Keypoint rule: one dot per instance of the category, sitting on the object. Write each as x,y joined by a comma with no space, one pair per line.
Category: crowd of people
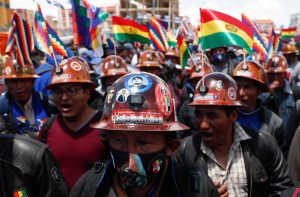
135,123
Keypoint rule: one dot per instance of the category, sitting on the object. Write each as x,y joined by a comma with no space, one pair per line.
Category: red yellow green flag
288,33
183,50
129,30
219,29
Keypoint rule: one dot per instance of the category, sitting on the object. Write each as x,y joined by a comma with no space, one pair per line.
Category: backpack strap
46,126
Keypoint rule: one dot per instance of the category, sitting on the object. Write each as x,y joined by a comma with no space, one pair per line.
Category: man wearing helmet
289,51
232,155
75,145
141,140
282,95
23,110
252,81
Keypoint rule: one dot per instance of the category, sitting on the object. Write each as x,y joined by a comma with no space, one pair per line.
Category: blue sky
277,10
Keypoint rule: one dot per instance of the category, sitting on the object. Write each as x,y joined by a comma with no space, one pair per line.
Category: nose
241,91
204,124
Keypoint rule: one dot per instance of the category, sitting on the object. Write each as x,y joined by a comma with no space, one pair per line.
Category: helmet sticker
231,93
122,95
109,102
63,62
164,100
76,66
206,97
7,70
138,83
60,78
142,117
244,73
219,85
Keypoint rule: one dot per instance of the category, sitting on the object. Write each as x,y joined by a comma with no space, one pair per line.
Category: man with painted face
140,134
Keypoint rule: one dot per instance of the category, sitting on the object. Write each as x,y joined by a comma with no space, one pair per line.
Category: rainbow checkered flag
20,40
258,43
97,16
46,38
158,34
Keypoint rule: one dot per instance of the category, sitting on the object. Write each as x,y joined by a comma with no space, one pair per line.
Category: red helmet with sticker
200,70
277,64
149,58
71,70
288,48
139,102
112,67
172,51
11,70
251,70
197,57
216,89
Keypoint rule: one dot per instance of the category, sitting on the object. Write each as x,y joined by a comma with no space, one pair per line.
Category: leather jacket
266,169
28,166
180,180
273,125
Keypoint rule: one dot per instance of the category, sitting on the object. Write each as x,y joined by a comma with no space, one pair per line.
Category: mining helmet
139,102
251,70
277,64
11,70
71,70
217,89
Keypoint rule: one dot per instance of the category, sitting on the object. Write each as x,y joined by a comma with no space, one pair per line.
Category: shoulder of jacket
23,152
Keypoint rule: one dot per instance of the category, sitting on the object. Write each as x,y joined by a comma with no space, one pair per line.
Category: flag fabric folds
219,29
20,40
185,30
199,34
97,16
81,24
288,33
270,48
46,38
129,30
258,43
171,40
158,34
183,50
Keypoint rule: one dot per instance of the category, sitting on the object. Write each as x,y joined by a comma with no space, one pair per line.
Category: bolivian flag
288,33
183,50
219,29
129,30
171,40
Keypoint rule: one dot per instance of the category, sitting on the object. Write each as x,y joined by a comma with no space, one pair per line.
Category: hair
229,110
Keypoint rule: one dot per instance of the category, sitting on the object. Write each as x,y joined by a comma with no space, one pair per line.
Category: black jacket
181,180
28,165
273,124
266,169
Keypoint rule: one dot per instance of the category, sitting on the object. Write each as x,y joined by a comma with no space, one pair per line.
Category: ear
234,115
175,143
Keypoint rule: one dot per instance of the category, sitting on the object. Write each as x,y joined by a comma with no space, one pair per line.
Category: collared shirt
234,174
29,112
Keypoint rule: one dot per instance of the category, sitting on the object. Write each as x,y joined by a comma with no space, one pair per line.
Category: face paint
137,170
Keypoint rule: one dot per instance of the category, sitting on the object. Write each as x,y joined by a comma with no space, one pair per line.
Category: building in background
5,15
295,22
142,10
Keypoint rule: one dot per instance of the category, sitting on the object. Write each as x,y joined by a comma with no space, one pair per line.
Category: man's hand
222,189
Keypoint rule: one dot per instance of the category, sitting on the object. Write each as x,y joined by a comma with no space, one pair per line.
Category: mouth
66,107
207,136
